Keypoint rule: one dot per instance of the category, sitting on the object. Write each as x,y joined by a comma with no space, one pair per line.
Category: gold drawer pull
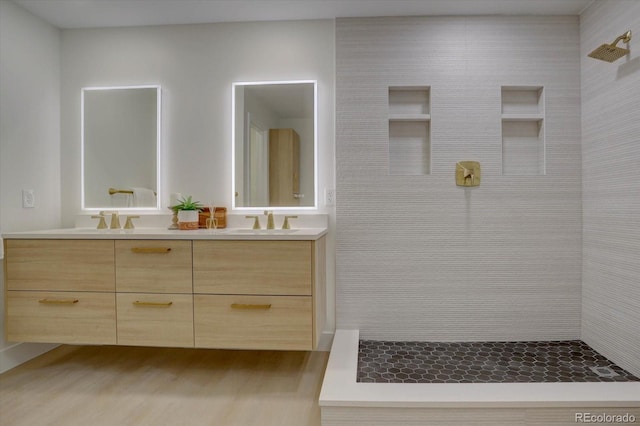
248,306
58,301
151,249
153,304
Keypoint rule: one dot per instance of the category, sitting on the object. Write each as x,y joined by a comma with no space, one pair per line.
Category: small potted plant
188,211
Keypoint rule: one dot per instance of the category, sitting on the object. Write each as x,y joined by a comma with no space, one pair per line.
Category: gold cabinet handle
249,306
151,249
153,304
58,301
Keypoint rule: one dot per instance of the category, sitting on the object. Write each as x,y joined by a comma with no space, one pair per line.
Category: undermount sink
262,231
110,231
90,231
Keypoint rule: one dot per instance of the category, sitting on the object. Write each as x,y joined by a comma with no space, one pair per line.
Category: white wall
611,187
29,133
419,258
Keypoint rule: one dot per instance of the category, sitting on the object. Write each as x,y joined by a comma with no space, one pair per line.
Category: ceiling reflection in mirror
274,137
121,147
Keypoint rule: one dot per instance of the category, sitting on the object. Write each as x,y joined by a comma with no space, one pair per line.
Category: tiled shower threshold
341,389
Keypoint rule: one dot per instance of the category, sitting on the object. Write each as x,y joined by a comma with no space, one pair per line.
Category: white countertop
163,233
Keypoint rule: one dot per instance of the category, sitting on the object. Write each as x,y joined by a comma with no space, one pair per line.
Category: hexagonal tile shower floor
484,362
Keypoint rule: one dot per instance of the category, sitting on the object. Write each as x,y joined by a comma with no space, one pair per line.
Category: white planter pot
188,219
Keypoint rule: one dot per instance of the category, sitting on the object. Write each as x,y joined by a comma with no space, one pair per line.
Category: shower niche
523,142
409,130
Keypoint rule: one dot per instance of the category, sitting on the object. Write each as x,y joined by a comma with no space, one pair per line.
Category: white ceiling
118,13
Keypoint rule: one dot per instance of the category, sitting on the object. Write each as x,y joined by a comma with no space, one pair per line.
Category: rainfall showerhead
609,52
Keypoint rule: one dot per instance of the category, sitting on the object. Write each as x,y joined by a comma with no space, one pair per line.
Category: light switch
28,199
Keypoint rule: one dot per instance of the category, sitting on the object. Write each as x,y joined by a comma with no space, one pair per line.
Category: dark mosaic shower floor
483,362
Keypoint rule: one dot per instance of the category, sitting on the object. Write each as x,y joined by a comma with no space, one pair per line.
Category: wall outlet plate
467,173
28,199
329,197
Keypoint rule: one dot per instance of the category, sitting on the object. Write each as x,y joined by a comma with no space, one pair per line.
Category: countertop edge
164,234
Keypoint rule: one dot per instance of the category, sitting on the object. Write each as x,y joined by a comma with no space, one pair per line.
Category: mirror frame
234,146
158,206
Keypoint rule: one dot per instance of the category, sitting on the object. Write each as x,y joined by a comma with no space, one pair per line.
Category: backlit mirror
121,147
274,140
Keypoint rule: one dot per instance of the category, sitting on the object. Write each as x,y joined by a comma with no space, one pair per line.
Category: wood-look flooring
115,385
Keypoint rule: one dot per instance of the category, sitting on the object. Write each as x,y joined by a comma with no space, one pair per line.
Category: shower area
533,273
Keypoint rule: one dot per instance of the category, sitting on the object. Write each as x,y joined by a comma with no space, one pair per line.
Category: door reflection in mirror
256,188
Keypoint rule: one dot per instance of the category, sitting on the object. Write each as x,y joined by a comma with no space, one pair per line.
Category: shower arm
626,37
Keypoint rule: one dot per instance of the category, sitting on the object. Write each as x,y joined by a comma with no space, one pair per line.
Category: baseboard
19,353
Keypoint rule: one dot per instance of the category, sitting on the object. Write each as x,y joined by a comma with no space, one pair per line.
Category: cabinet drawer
253,322
155,266
155,319
252,267
60,265
61,317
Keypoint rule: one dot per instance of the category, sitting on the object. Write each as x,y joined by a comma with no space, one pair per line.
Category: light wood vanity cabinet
205,293
60,291
60,265
253,322
153,266
256,294
253,267
154,296
154,319
61,317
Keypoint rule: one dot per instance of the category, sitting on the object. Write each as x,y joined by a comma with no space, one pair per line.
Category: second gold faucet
270,224
115,219
270,221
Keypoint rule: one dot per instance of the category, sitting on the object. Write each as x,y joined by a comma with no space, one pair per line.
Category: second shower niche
409,130
523,141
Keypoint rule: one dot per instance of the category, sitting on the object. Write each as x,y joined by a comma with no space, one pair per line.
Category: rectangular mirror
274,145
121,147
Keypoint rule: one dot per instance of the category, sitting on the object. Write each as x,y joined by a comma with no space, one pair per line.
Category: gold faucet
256,222
115,219
102,224
270,224
285,224
129,223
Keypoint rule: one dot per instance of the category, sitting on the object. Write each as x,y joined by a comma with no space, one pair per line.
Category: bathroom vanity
232,288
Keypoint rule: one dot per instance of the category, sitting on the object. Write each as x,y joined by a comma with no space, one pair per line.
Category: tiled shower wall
418,257
611,185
